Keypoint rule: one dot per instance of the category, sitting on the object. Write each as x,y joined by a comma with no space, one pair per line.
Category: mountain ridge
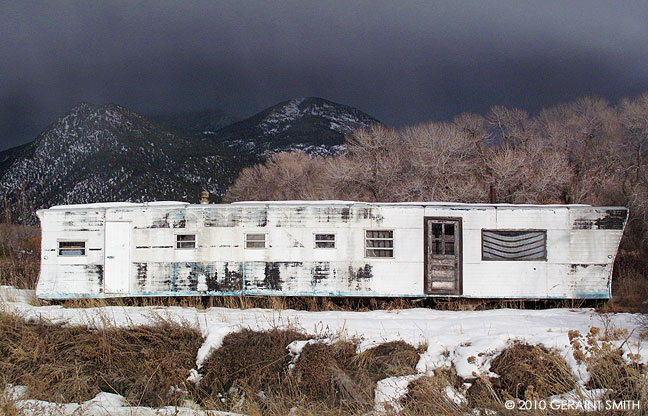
98,153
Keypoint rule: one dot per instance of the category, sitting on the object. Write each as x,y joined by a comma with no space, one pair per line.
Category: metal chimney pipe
492,195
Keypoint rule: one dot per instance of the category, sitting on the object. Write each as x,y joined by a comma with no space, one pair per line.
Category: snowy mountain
110,153
315,125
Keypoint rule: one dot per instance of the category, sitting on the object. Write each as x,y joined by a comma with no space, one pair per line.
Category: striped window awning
514,245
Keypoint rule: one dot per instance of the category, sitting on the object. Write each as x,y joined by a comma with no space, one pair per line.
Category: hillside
314,125
111,153
107,153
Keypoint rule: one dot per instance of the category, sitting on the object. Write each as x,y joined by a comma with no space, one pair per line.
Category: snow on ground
107,404
467,339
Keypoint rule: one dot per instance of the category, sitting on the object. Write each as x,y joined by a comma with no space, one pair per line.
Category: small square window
186,241
379,243
255,240
71,248
324,240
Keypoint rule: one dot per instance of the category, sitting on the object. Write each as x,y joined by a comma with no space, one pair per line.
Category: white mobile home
329,248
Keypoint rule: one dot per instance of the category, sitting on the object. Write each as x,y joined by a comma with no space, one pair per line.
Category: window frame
59,250
392,248
178,242
525,230
246,241
315,241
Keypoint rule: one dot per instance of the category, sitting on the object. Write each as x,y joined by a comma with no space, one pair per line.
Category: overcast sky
402,62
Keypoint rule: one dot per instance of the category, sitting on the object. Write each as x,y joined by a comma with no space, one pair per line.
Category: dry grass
148,365
625,378
323,373
340,378
250,372
327,378
19,255
526,372
247,362
427,396
522,367
20,272
629,284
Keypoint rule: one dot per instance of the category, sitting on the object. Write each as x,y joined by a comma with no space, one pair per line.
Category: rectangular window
324,240
186,241
255,240
379,243
71,248
514,245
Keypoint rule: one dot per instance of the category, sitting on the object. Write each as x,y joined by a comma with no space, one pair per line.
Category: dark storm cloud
403,62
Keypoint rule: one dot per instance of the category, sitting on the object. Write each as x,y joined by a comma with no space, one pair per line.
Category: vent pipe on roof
204,197
492,195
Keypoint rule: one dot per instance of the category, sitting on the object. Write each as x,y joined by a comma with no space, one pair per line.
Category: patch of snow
213,341
389,391
14,392
194,376
11,294
458,398
118,205
104,404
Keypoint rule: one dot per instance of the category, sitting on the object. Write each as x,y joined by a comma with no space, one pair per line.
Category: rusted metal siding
581,245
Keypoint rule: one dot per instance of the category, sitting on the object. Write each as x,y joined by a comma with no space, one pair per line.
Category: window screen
324,240
514,245
379,243
186,241
255,240
71,248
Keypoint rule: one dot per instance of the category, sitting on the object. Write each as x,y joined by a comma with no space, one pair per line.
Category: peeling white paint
582,242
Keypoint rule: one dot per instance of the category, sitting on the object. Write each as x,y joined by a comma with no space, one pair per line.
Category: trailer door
117,260
442,256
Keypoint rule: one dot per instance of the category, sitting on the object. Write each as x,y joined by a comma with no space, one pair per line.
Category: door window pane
436,247
450,248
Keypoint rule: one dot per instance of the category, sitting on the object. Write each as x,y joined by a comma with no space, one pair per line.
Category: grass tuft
522,366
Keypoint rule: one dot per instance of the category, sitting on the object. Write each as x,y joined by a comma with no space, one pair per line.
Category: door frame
459,235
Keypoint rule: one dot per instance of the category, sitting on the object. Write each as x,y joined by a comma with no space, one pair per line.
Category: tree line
588,151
